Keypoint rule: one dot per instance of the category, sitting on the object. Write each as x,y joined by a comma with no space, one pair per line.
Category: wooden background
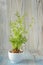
34,8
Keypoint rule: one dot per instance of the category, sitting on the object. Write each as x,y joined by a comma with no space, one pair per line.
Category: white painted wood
34,8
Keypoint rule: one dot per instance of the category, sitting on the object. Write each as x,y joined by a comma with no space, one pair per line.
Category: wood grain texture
34,8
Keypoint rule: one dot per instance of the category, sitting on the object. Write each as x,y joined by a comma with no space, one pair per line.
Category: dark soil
16,51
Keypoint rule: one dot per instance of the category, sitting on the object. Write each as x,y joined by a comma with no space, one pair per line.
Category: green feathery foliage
18,32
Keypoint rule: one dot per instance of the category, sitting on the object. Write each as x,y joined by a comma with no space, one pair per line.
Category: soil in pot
16,51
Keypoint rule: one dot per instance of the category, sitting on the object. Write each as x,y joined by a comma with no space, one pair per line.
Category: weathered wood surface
34,8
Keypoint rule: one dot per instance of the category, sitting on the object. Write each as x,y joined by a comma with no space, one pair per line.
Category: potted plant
17,38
